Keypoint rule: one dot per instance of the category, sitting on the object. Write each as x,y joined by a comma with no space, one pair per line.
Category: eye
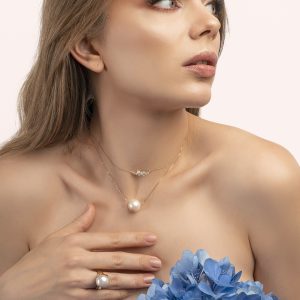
165,4
214,5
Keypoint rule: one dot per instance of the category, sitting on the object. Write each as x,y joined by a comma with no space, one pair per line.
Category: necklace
134,205
138,172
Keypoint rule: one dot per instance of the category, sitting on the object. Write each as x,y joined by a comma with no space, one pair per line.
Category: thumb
80,224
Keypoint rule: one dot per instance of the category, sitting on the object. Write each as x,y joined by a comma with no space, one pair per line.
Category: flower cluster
199,277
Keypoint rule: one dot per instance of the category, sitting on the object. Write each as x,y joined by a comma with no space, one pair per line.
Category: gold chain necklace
134,205
138,172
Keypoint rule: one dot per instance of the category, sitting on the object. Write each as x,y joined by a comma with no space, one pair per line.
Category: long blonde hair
53,104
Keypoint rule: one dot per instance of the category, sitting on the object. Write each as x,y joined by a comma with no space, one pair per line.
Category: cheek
144,58
137,50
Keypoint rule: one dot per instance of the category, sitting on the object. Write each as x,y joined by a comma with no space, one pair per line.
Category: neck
133,140
136,138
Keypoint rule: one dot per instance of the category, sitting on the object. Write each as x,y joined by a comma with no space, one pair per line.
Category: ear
87,54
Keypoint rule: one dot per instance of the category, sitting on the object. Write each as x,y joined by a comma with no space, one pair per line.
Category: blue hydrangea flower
199,277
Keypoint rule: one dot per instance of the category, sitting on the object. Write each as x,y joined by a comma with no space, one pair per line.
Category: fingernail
149,278
150,238
155,262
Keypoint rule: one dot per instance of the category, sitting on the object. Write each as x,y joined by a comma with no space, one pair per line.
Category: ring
102,280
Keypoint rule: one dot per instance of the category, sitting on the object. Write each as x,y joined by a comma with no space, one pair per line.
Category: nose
204,23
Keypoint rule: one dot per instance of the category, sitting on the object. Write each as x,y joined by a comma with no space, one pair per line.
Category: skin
144,87
225,194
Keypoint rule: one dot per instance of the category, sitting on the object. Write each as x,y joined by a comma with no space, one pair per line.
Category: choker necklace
134,205
137,173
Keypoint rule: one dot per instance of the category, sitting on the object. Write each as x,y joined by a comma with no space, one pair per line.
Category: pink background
257,86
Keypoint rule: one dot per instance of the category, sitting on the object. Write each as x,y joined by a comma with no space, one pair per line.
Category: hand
64,265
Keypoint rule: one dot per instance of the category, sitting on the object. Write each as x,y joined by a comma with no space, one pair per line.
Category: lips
204,71
203,64
207,56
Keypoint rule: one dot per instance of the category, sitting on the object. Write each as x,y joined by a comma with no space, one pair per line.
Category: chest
185,220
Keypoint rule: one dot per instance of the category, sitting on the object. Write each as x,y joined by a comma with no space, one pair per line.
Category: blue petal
199,277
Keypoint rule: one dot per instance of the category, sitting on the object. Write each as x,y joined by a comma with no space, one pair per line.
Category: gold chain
114,180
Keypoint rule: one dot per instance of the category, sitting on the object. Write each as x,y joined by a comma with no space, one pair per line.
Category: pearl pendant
134,205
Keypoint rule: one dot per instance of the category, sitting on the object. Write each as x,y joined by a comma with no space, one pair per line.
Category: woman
109,116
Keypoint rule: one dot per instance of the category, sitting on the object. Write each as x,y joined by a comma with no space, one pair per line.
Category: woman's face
146,44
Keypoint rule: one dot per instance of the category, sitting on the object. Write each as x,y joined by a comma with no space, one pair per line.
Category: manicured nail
149,278
155,262
150,238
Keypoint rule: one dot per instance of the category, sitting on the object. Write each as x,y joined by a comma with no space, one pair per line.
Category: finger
106,294
80,224
86,279
119,260
111,240
119,281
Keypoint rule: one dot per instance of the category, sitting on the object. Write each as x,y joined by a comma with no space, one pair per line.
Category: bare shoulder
263,179
243,161
26,184
26,175
253,161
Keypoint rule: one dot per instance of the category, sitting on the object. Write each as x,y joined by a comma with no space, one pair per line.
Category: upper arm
31,191
13,240
274,222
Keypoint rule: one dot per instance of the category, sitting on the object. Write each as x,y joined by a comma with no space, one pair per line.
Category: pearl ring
102,280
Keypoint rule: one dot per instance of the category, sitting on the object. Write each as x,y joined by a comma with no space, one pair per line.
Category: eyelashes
152,2
215,3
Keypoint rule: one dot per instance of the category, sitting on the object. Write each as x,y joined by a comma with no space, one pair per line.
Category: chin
199,102
197,98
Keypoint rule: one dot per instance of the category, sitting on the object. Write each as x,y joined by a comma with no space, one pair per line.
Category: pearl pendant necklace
134,205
